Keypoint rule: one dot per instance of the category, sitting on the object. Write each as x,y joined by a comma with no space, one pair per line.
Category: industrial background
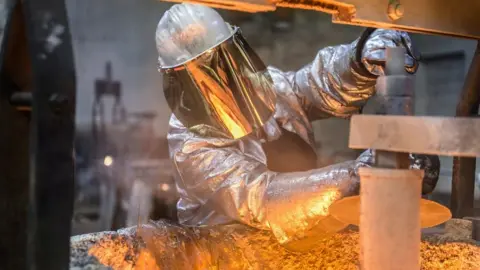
287,39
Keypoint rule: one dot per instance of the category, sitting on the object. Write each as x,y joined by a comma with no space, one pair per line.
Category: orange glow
246,6
237,247
165,187
221,102
224,113
303,215
320,205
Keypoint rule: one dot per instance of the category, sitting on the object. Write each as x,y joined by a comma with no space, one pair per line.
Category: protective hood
225,91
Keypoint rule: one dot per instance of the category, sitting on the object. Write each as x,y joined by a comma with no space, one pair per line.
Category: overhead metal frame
444,17
37,122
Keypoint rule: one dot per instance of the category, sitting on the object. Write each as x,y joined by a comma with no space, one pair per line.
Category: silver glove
342,78
373,51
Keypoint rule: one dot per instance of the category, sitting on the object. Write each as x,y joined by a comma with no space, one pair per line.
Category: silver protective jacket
225,180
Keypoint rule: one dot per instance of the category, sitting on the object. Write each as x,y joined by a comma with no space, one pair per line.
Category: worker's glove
373,45
430,164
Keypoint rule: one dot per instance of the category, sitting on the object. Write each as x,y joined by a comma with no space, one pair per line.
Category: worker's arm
342,78
216,176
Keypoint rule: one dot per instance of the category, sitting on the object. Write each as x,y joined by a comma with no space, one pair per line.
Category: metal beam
36,145
463,176
447,136
442,17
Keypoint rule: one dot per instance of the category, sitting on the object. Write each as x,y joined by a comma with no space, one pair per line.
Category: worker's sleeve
216,174
342,78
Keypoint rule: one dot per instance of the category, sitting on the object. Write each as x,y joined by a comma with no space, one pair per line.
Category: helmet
213,81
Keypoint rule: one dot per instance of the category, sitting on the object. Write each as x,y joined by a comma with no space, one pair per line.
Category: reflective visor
226,91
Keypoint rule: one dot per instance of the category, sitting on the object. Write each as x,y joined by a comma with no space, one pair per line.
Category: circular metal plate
347,210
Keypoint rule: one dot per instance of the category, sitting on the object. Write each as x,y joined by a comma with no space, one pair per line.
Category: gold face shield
225,91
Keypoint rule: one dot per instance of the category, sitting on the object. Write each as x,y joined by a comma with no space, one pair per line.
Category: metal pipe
390,198
395,96
463,176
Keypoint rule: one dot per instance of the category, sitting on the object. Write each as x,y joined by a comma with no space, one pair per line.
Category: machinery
100,159
108,147
378,211
106,87
125,151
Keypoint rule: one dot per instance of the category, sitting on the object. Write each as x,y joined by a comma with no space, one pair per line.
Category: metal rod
395,97
463,172
22,100
390,193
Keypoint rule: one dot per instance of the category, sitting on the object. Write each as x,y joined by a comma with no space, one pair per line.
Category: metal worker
241,133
